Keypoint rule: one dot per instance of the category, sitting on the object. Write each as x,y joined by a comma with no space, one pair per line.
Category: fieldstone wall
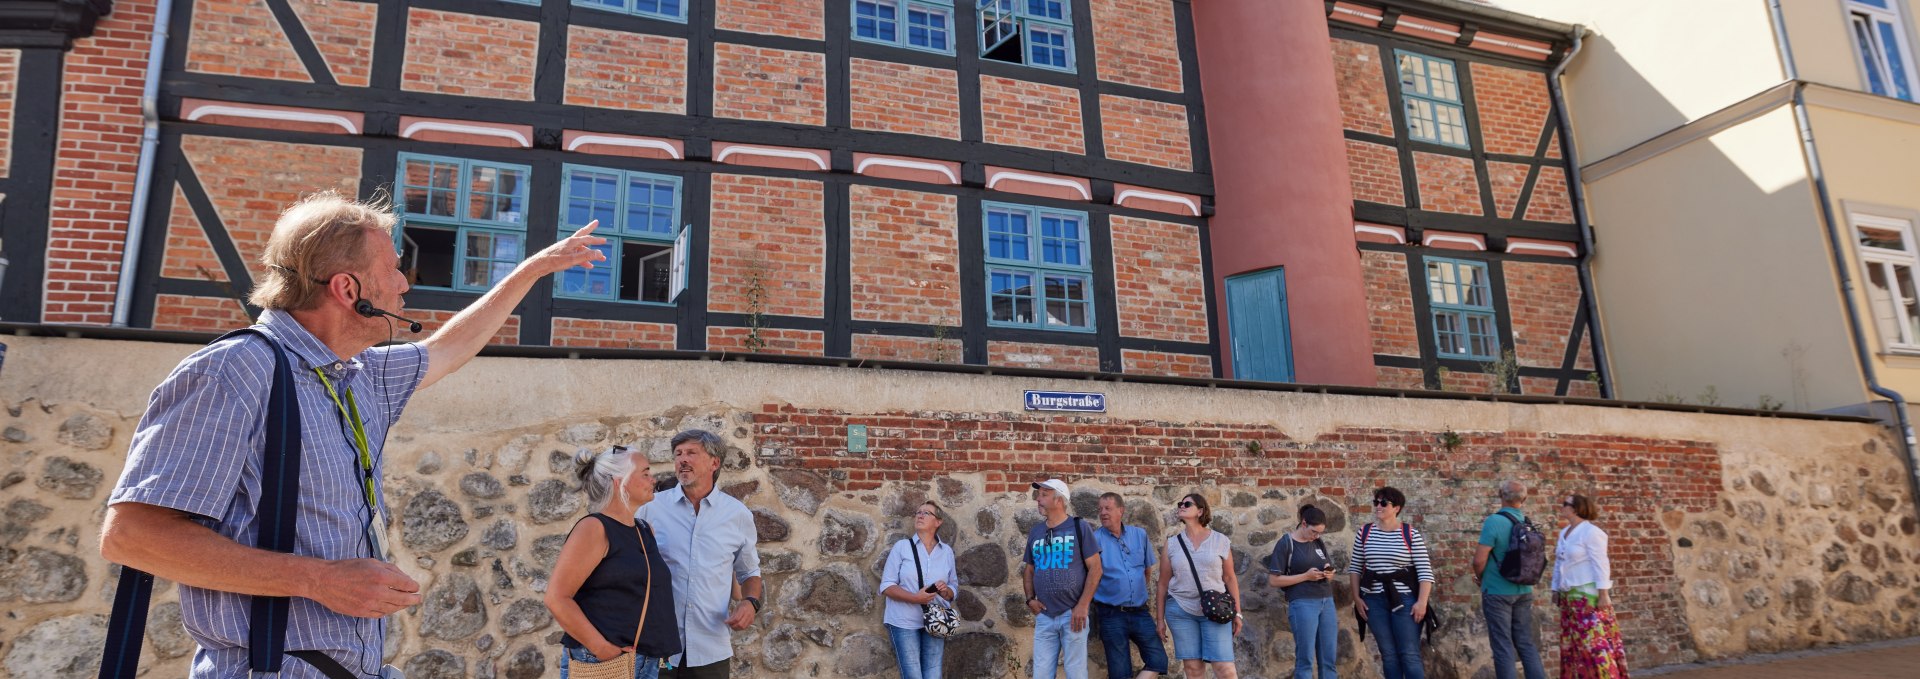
1732,535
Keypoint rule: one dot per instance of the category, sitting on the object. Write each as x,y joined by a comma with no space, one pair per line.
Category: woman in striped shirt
1393,577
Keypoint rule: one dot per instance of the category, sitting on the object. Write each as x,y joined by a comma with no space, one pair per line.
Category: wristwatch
753,600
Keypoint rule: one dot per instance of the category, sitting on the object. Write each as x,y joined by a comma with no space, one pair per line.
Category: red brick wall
1389,304
1162,363
1374,170
582,332
1468,381
1583,389
1543,299
251,182
1031,115
1549,202
916,349
1447,184
1049,356
189,254
198,314
903,98
1134,43
1539,386
1146,132
1363,87
772,341
791,18
1450,489
471,55
1513,107
905,256
1399,378
773,85
93,165
240,37
774,228
431,320
1507,180
1158,280
626,71
9,82
343,32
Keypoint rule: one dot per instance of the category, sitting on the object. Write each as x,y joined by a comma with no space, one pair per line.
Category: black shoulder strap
275,516
1196,571
917,570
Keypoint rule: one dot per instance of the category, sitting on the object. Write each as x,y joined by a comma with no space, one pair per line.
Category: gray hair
709,442
603,473
1512,491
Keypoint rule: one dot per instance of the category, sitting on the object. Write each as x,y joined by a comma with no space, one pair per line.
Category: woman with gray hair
610,574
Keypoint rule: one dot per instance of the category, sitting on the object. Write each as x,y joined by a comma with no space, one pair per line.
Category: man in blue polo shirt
1120,603
1507,606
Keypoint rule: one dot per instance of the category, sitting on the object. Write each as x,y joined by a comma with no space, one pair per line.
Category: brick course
1389,303
1158,280
773,341
189,254
1134,42
242,38
1162,363
626,71
906,253
251,182
1145,132
1049,356
583,332
772,85
1374,171
1513,104
791,18
1031,115
1549,202
774,229
1543,300
470,55
1363,88
198,314
1387,377
343,32
916,349
1447,184
903,98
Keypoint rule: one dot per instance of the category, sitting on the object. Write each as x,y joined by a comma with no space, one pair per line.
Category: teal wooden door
1257,321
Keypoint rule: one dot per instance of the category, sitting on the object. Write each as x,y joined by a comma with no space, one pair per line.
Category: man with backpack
1511,557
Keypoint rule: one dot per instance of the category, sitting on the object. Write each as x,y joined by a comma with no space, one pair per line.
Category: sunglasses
1381,503
1185,504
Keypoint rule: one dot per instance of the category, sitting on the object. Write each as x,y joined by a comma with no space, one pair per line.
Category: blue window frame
1430,95
928,25
639,215
670,10
462,222
1039,271
1461,300
1036,33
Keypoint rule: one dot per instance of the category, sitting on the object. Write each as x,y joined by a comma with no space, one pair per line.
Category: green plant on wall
1440,379
1504,374
756,304
943,331
1451,440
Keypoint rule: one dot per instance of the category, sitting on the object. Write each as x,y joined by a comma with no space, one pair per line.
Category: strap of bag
275,514
647,593
919,574
1182,539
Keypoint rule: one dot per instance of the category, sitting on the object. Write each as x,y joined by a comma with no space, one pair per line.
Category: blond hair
317,237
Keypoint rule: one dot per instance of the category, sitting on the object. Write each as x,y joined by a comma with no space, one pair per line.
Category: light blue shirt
198,450
1123,566
707,554
935,567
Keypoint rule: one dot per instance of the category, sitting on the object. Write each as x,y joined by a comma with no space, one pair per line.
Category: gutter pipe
143,176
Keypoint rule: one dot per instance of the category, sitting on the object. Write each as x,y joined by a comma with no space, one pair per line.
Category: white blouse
1580,558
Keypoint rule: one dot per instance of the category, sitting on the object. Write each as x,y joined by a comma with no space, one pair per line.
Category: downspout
1836,244
1577,194
143,176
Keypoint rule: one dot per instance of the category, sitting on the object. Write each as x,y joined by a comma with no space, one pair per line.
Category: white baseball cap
1056,485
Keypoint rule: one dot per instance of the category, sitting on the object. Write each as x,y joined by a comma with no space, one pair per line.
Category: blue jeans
644,667
1119,628
919,653
1316,633
1197,638
1510,629
1398,636
1054,641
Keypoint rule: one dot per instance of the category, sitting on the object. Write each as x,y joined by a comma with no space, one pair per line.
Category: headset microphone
366,308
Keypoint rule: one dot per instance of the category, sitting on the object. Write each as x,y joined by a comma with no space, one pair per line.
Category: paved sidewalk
1896,659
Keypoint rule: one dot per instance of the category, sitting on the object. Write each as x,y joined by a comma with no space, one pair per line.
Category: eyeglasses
1185,504
1382,503
925,513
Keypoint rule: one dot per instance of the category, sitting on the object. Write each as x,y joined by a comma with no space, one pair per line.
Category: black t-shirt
1292,558
612,594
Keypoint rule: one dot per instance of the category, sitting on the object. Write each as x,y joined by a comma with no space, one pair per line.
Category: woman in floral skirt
1590,645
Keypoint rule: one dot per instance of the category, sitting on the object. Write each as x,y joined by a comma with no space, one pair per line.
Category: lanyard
350,411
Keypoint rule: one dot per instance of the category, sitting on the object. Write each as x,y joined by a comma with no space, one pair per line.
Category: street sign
1067,401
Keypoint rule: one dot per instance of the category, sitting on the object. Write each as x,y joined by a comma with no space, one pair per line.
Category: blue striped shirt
198,450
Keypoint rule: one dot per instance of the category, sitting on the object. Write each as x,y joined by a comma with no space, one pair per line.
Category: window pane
1881,237
1413,74
1869,55
430,188
1896,60
1880,295
1909,302
1047,47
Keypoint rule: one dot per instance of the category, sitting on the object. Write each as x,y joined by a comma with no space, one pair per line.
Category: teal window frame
462,223
1440,94
619,231
1034,266
633,7
1020,20
1454,299
903,23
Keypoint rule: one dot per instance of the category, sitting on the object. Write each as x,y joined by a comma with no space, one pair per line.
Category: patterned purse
938,617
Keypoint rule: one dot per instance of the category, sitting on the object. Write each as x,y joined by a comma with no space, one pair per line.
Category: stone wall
1731,534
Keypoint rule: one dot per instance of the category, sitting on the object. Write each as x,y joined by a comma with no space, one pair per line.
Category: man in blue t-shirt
1062,570
1507,606
1120,602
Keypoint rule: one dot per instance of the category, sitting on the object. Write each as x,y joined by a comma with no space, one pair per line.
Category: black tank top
612,594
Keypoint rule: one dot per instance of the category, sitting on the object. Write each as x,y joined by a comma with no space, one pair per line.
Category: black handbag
1215,605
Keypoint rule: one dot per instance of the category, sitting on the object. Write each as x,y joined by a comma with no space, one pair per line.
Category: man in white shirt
705,537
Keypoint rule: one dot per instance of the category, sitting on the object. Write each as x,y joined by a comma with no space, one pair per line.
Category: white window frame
1890,15
1906,341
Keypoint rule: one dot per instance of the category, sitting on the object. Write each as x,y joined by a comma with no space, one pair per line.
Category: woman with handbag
919,585
1393,577
1198,578
1590,645
610,589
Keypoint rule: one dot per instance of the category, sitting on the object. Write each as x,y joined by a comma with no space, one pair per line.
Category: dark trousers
1510,633
1117,628
719,670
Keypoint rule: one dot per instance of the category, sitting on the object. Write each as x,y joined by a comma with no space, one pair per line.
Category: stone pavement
1896,659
